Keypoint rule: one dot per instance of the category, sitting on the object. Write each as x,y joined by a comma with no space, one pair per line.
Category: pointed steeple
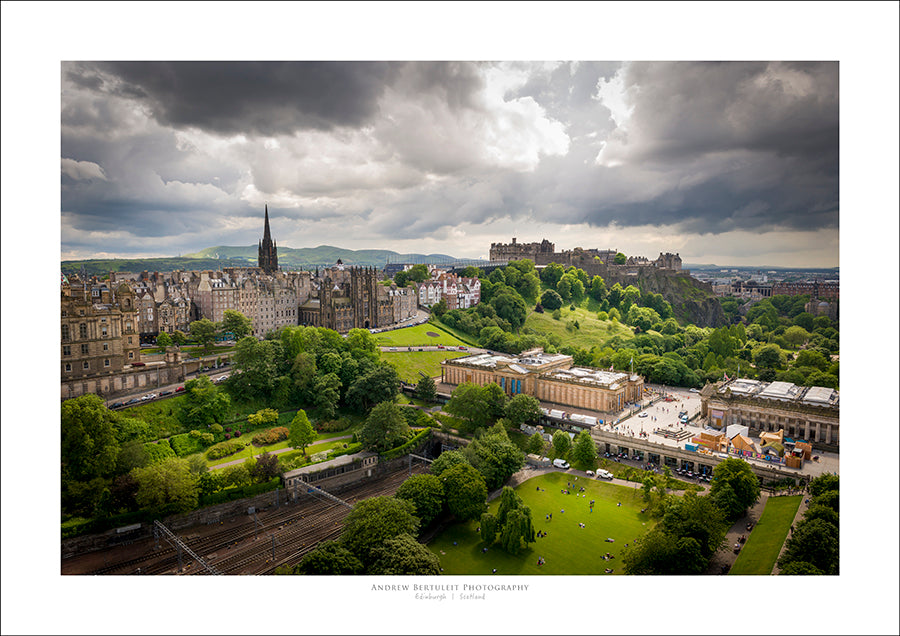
267,235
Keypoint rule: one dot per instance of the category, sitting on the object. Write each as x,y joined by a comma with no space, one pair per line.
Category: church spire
267,236
268,252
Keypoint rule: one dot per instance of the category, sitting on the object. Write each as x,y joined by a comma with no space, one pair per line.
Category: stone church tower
268,249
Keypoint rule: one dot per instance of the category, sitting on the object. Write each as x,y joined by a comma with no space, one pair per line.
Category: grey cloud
264,98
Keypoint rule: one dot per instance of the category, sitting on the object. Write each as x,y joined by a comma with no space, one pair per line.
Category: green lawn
567,548
759,554
418,337
408,364
591,331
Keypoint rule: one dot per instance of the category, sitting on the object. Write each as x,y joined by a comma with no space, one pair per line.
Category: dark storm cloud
265,98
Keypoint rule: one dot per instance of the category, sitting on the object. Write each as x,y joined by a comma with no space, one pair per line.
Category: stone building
808,413
829,290
518,251
98,328
353,298
549,378
458,292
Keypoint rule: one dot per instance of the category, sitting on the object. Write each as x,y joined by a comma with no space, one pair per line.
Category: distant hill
323,256
230,256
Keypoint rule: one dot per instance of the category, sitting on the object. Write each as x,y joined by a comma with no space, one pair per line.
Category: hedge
78,526
186,444
230,494
158,451
408,446
226,448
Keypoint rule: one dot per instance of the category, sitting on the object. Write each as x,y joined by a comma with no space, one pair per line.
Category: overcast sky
722,162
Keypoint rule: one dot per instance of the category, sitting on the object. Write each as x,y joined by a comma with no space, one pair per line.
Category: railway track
247,547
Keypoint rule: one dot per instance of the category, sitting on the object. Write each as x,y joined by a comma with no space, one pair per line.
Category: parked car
179,389
116,405
133,401
642,414
561,463
165,393
604,474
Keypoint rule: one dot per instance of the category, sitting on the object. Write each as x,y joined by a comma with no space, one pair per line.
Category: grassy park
417,336
567,548
409,364
761,550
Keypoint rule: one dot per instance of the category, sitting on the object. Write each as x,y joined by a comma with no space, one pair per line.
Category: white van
604,474
561,463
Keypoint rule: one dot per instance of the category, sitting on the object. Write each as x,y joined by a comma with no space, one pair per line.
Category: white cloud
82,170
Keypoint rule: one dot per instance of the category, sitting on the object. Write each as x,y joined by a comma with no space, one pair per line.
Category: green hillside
591,331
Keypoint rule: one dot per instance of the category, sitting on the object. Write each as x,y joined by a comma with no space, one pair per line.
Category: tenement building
549,378
808,413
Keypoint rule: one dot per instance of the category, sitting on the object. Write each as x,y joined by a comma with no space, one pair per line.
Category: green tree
517,531
535,444
768,356
204,332
620,259
329,558
426,492
327,395
564,288
488,528
551,300
522,408
796,335
179,338
426,389
401,278
494,456
815,542
598,288
167,483
89,446
795,568
419,273
236,323
257,368
163,340
385,428
204,404
373,521
302,433
562,444
659,553
823,483
739,476
404,556
511,307
469,403
551,274
439,308
698,518
584,452
465,490
447,460
381,384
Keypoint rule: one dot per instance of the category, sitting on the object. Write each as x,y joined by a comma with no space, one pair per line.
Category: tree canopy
374,521
426,492
738,475
89,446
404,556
385,428
465,490
236,323
302,433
